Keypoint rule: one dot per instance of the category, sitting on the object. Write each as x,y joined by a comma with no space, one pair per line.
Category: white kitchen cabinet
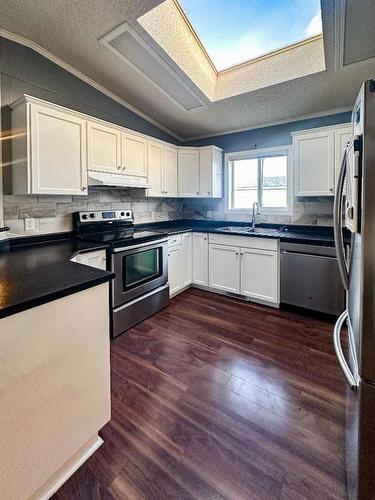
133,154
210,172
317,155
103,148
260,274
314,162
200,259
48,150
155,169
187,259
179,262
94,258
170,171
224,268
247,266
342,136
162,170
188,172
174,269
200,172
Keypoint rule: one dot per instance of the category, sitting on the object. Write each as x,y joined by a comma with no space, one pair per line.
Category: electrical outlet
29,224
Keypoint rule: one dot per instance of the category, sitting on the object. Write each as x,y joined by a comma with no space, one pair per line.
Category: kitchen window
260,176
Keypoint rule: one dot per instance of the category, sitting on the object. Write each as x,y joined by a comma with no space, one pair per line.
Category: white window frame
256,153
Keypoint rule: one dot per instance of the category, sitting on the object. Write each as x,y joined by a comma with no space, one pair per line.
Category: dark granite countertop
316,235
33,274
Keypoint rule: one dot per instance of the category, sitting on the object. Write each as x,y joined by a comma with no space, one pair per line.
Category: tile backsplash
53,213
309,211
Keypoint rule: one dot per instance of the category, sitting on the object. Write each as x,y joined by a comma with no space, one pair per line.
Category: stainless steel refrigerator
354,207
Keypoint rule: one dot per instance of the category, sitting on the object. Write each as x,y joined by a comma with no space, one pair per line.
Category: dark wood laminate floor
215,398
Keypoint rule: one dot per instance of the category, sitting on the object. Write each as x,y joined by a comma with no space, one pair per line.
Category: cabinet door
224,268
188,173
155,169
260,274
134,155
200,259
342,137
205,173
217,174
314,163
174,269
170,171
104,148
58,152
94,259
187,259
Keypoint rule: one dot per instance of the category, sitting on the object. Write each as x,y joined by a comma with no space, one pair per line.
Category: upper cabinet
54,149
104,148
210,172
162,170
342,137
188,172
48,150
200,172
317,155
134,154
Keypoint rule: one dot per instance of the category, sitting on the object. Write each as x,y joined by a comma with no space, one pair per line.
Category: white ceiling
71,31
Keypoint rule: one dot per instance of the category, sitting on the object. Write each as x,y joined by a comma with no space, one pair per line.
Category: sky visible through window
234,31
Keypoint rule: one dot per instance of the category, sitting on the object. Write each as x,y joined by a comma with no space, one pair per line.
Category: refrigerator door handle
339,352
337,224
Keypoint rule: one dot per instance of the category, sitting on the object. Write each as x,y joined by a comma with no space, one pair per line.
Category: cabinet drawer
174,240
245,241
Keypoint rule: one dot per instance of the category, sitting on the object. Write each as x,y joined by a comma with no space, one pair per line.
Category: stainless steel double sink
248,230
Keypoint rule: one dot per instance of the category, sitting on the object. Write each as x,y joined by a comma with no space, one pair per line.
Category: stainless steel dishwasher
310,278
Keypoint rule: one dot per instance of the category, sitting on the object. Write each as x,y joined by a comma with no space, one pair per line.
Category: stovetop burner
115,228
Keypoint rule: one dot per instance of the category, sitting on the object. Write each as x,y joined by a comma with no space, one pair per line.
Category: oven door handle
141,245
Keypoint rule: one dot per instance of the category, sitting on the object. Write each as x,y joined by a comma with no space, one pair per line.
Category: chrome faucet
257,212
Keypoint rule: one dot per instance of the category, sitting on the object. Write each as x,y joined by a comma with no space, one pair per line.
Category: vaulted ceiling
72,32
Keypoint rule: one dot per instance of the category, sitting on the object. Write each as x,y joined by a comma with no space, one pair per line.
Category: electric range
138,258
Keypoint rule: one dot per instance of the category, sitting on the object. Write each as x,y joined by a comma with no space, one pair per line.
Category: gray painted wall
24,71
266,137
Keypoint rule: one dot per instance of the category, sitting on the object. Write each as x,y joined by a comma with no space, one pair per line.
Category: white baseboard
68,469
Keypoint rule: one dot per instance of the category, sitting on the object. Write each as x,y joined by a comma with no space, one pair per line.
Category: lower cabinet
251,270
224,268
175,269
200,259
179,262
94,258
187,259
259,274
234,264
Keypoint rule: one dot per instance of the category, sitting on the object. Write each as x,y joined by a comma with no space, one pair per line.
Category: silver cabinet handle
118,168
83,188
337,224
339,352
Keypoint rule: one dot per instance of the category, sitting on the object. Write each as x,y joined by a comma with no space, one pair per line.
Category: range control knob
127,214
92,216
84,216
122,214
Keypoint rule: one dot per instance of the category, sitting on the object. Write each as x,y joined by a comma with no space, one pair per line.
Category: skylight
236,31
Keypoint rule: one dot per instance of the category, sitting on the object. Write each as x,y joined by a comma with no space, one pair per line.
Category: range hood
106,179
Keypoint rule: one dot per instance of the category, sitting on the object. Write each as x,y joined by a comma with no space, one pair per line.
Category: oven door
139,269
